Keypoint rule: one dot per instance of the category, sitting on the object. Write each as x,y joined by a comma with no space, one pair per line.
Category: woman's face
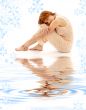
50,19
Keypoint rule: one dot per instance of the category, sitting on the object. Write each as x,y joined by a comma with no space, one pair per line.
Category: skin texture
57,25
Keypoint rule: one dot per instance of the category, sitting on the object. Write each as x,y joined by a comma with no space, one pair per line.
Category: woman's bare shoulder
61,21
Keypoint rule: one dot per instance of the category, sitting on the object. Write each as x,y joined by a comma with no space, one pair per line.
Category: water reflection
54,79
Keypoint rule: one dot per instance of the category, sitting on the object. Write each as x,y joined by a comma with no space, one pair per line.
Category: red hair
43,16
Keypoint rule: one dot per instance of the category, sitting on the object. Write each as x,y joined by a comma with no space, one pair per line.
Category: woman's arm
58,22
44,30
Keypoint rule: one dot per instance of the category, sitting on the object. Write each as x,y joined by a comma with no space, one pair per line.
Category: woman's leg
38,37
25,46
37,47
28,43
40,44
56,40
59,42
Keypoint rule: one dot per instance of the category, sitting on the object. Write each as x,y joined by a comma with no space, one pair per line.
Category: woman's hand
44,29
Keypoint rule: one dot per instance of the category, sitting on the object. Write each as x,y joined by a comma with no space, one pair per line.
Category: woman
53,28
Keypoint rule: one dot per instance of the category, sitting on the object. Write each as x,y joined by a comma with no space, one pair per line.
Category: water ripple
15,96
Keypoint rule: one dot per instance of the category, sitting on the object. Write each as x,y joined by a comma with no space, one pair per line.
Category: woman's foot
37,47
22,48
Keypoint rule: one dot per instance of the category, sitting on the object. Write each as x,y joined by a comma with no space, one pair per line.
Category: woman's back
66,31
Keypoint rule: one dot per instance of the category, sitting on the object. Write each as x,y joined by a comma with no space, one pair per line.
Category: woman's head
46,17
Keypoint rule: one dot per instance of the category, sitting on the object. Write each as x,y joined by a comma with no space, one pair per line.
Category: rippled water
40,81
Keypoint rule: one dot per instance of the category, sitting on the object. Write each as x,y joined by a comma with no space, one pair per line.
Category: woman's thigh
58,42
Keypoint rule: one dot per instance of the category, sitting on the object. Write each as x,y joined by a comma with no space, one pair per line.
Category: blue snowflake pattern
9,16
81,10
78,106
36,6
3,51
